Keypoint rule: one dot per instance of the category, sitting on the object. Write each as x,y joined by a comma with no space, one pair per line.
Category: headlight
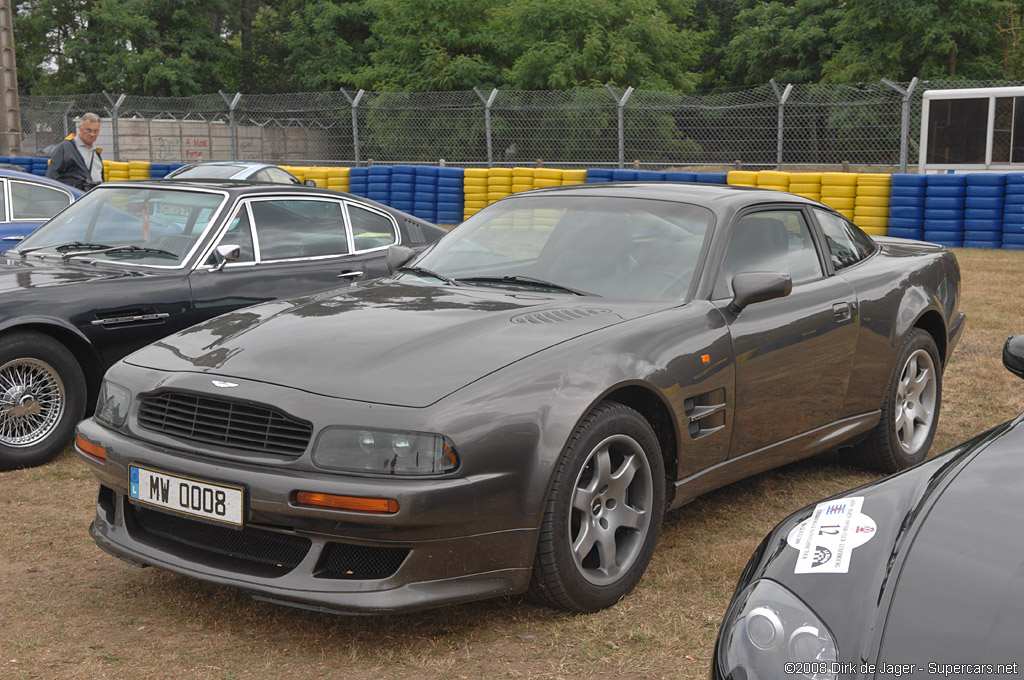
773,635
384,452
112,405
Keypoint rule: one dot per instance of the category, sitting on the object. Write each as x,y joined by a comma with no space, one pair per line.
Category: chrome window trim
383,213
9,199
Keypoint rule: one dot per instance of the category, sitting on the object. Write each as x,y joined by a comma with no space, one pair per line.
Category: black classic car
132,262
918,574
515,409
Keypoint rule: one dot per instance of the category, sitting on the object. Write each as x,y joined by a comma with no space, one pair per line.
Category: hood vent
558,315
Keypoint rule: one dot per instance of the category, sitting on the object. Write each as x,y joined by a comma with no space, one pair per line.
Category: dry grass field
69,611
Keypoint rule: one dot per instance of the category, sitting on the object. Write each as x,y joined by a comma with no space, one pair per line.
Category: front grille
225,422
250,550
360,562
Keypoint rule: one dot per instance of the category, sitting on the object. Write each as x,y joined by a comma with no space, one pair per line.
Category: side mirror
398,256
751,287
310,182
225,254
1013,355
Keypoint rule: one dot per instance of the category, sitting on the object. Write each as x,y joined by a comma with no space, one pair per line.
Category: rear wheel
603,515
42,398
911,410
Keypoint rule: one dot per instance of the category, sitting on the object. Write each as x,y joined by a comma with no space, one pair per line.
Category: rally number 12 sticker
827,538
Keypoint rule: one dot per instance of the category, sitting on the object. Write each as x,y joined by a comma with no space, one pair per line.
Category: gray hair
88,118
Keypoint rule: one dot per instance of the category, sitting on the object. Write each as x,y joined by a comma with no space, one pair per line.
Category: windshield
128,224
614,247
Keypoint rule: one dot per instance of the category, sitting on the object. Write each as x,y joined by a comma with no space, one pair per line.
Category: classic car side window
847,244
36,202
238,234
770,241
288,229
370,229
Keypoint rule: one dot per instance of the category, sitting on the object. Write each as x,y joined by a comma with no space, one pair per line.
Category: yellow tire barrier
742,178
872,201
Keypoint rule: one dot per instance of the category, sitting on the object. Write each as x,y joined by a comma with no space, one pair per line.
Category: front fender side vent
706,413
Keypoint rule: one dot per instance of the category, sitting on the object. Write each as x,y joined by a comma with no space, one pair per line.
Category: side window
370,229
238,234
846,243
36,202
299,228
770,241
278,175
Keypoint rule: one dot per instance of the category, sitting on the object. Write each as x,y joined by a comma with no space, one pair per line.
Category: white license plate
217,502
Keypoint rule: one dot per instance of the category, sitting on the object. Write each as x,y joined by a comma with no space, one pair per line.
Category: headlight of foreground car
112,405
384,452
775,635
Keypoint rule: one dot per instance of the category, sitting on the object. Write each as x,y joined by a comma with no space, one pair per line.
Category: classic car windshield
128,224
616,247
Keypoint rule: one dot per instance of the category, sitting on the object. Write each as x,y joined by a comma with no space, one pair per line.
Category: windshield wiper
423,271
67,245
120,249
525,281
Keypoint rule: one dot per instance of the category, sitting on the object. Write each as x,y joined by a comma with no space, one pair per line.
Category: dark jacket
68,166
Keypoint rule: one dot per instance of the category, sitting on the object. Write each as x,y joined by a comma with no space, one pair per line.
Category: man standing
75,161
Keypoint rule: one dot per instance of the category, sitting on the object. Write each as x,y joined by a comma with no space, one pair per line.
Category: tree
430,45
578,43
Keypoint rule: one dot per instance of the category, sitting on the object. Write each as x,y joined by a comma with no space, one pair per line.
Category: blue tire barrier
990,236
900,232
404,196
379,187
599,173
421,206
1012,246
450,191
1015,239
991,245
449,217
943,215
948,226
597,180
427,170
905,179
401,187
404,206
713,177
380,197
982,225
674,176
979,214
450,172
905,223
944,203
985,191
650,176
377,171
1014,199
445,181
940,242
449,206
906,212
1015,178
946,180
986,179
944,191
908,190
1013,219
624,175
421,196
907,201
984,202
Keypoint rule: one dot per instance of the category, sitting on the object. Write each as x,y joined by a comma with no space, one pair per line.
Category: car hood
35,272
966,495
385,342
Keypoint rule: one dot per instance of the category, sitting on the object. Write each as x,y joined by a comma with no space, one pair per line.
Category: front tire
42,398
910,412
603,514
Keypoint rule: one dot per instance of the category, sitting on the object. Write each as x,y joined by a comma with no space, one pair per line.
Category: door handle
351,276
842,311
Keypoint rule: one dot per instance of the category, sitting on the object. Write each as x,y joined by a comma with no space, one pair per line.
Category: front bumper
327,560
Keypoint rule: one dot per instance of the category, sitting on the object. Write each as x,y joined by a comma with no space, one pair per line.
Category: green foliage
580,43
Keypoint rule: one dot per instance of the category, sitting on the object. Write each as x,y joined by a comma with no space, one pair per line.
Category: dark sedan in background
919,574
132,262
517,407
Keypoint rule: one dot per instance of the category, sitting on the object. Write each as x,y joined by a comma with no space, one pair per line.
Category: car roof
719,195
17,174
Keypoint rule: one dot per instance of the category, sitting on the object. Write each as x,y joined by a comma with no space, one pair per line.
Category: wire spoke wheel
32,401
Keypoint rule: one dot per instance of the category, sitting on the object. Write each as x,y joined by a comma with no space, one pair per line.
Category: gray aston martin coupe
515,409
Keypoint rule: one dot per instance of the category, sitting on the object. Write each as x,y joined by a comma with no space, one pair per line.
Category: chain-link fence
761,127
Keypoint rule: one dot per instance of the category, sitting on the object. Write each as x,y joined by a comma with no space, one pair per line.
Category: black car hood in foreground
941,580
35,272
375,343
